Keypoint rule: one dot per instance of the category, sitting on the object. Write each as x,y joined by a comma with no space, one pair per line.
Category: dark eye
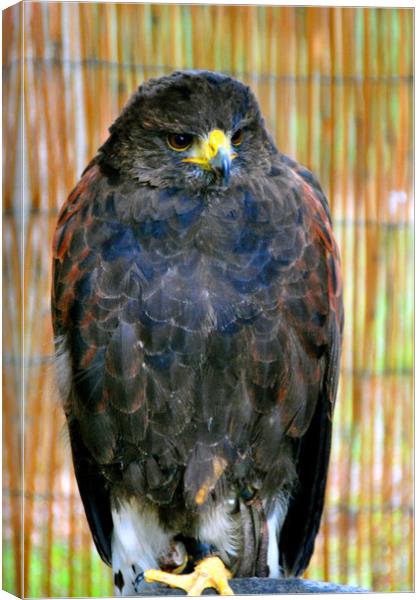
237,137
179,141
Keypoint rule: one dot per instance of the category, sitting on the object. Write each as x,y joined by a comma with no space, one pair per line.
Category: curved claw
209,573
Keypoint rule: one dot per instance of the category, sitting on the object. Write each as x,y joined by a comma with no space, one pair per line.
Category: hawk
197,313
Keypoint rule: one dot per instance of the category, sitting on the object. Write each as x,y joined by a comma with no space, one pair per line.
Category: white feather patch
137,542
218,527
275,523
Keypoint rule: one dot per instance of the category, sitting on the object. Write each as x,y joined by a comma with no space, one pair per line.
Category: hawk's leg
208,573
220,532
174,561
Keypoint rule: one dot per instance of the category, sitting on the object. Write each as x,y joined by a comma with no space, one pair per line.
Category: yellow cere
204,150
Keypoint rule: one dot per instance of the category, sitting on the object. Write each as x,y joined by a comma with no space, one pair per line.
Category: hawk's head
193,129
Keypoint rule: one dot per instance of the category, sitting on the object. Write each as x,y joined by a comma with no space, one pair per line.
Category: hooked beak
213,153
221,164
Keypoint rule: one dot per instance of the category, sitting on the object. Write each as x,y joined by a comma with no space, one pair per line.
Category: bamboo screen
335,85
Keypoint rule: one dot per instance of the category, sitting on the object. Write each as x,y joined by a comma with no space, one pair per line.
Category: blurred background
335,86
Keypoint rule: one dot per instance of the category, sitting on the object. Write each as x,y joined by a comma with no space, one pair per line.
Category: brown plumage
197,309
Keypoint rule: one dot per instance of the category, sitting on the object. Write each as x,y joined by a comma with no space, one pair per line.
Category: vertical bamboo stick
197,35
357,339
287,87
14,471
346,453
310,74
280,127
50,488
72,536
234,39
103,77
11,124
89,108
408,425
370,282
388,400
121,85
12,28
300,107
333,60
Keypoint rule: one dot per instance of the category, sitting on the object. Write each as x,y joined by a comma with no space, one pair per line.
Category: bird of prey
197,313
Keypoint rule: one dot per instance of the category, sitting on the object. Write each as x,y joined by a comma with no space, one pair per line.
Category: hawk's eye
179,141
237,137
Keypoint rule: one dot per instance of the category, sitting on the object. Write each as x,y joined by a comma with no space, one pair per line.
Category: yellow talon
208,573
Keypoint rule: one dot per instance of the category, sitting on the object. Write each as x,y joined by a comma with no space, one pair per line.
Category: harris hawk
197,315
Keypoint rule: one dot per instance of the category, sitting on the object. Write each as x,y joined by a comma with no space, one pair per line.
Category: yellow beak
213,153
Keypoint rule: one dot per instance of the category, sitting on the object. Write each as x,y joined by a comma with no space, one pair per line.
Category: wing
93,492
71,259
93,286
313,447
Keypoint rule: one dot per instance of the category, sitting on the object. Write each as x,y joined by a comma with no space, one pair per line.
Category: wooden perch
259,585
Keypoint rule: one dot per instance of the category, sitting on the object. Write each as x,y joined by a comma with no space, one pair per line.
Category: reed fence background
335,85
